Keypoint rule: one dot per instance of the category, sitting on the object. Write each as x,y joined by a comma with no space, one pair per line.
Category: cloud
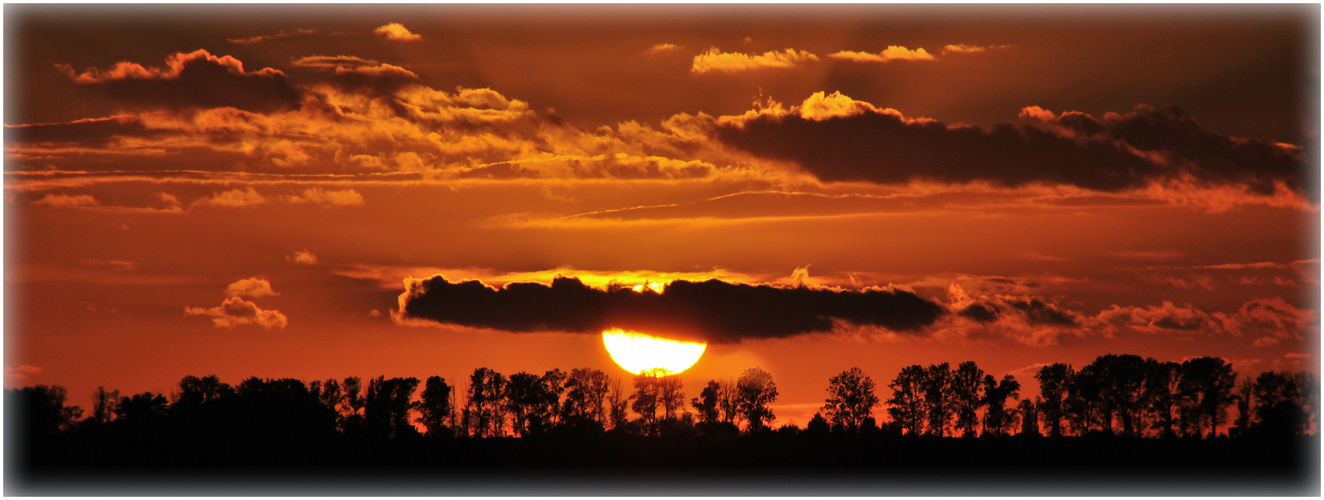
662,47
88,131
22,372
264,38
971,49
1268,319
730,62
341,198
234,198
353,72
714,310
66,201
236,311
333,62
1029,320
397,32
196,79
891,53
1120,152
250,287
303,257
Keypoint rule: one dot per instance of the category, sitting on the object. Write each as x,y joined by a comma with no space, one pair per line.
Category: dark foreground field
606,464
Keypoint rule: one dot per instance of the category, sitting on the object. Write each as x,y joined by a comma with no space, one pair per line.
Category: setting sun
636,352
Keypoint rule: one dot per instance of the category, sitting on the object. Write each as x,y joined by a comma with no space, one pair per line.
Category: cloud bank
714,310
1114,153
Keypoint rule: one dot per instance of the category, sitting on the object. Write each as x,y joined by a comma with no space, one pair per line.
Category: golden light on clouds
637,352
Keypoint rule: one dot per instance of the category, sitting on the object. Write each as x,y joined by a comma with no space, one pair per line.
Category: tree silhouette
617,404
645,399
524,396
727,396
1243,397
706,403
198,390
553,384
1206,385
435,406
39,411
817,425
671,395
485,412
850,399
1052,389
937,398
141,410
1160,395
997,419
1122,386
966,396
351,409
386,406
907,403
1029,418
755,391
1307,385
586,396
1278,404
1084,402
103,405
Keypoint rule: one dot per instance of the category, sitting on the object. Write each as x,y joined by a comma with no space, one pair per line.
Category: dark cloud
361,75
194,80
93,131
1034,311
980,312
714,310
1111,154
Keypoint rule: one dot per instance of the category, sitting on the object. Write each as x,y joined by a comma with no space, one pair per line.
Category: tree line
1123,395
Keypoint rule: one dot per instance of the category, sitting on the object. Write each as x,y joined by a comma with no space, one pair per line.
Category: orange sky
244,190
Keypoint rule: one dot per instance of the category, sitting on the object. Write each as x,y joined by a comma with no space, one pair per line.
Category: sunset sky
250,190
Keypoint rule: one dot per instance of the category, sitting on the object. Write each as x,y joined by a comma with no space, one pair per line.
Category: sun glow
637,352
655,287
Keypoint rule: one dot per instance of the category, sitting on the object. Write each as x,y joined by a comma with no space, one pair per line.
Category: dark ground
605,464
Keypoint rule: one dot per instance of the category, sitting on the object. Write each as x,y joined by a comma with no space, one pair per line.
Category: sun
637,352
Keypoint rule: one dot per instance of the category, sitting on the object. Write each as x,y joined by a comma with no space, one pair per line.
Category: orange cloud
662,47
22,372
65,201
303,257
195,79
971,49
234,198
1268,319
341,198
263,38
891,53
251,288
235,311
333,62
397,32
175,66
730,62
